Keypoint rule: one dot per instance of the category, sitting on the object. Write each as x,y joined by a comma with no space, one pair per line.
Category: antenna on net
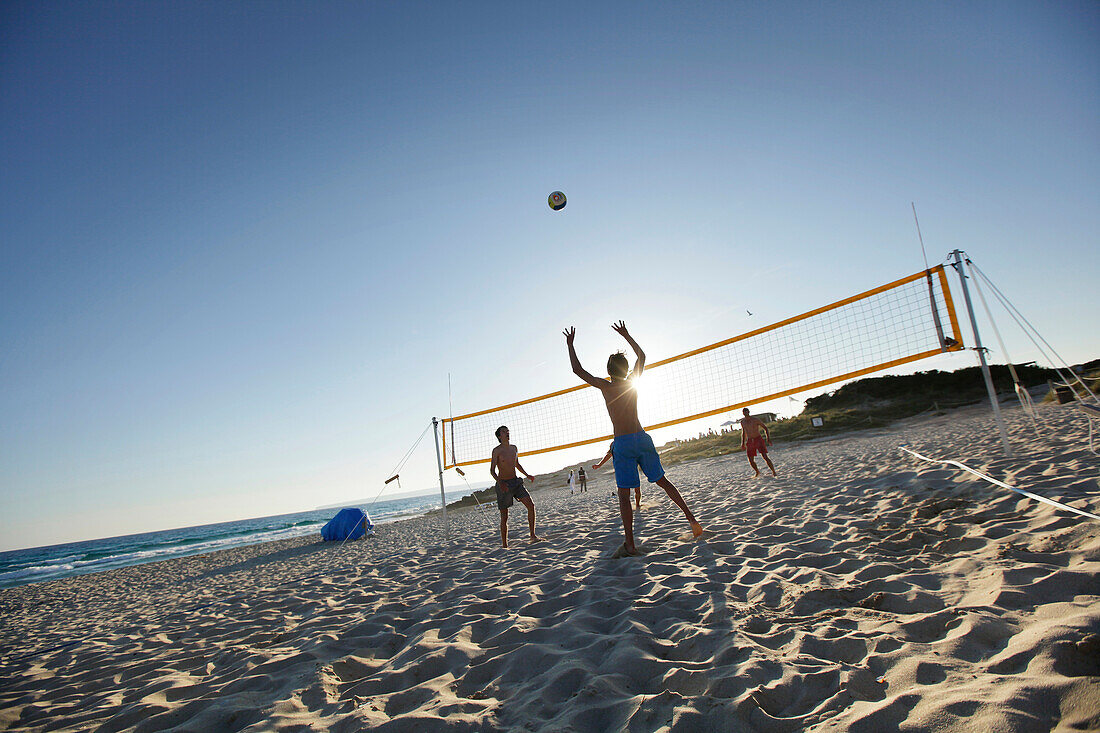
919,237
944,342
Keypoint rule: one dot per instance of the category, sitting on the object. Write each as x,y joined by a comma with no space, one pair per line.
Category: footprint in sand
640,548
690,537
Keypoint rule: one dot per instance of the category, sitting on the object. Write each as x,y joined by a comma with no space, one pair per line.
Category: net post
960,268
442,493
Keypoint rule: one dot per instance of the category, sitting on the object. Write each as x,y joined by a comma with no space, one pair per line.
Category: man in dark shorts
509,486
583,479
753,443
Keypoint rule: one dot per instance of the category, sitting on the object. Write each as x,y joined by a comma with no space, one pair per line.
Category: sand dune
861,590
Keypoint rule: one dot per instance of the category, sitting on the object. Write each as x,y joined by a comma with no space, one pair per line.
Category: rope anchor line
1002,484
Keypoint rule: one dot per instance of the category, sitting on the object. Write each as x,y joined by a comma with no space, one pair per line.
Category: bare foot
696,529
536,538
625,551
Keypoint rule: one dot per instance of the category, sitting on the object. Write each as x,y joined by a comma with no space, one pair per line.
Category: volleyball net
900,322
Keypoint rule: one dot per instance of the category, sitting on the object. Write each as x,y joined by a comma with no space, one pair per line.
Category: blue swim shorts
631,451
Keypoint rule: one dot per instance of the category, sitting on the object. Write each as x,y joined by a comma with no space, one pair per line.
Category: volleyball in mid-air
556,200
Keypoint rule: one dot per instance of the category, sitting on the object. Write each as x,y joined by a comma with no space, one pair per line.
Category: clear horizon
250,251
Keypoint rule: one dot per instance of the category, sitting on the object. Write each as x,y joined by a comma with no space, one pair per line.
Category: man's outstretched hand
620,328
569,333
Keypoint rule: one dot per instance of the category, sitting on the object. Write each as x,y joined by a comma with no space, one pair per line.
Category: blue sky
244,244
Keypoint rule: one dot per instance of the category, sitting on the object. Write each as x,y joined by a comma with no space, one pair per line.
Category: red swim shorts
754,445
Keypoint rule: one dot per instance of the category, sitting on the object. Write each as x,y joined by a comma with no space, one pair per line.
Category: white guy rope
1002,484
1092,412
1028,330
1021,393
400,464
480,508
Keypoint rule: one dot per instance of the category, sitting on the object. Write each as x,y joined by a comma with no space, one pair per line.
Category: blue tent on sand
349,524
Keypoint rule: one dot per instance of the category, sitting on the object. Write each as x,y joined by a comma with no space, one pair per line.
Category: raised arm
639,365
576,363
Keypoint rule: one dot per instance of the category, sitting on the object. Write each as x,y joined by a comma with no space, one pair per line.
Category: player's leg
674,494
650,462
626,478
628,520
526,501
504,527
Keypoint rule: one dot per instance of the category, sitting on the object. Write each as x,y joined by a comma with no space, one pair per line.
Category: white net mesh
909,319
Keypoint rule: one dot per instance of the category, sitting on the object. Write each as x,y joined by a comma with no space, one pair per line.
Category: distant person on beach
583,479
503,469
572,483
752,443
632,446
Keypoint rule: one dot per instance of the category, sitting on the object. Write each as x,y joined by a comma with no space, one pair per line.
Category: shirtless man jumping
503,469
632,446
751,442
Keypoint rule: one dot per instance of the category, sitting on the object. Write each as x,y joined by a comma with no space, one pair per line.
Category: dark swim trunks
513,489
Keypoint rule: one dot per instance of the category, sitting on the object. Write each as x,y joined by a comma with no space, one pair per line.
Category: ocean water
19,567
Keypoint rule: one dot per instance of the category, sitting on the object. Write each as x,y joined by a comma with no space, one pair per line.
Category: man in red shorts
751,442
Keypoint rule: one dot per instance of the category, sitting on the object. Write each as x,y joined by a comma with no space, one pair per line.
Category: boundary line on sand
991,480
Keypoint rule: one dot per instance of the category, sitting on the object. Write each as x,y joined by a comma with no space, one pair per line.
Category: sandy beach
860,590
